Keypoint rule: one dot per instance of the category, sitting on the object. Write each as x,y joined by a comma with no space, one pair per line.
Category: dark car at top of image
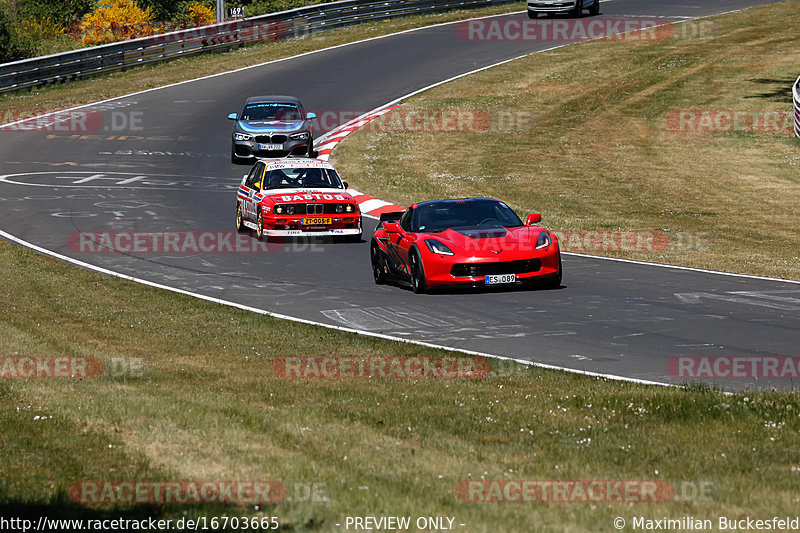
271,126
571,7
472,241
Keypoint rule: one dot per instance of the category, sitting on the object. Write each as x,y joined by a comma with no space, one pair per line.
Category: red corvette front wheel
555,282
418,284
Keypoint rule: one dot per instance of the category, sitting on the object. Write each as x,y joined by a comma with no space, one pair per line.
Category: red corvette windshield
467,214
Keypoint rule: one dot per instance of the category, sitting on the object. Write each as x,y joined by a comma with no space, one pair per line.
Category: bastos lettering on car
296,197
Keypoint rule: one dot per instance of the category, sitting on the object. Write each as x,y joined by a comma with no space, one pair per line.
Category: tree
117,20
11,47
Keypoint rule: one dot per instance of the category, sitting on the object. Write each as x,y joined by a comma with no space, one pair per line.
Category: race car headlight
242,137
339,208
302,136
290,210
544,240
437,247
279,209
349,208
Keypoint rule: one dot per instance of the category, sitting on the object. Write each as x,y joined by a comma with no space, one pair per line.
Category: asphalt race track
160,161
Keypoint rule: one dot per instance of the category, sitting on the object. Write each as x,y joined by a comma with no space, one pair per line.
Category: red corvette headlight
544,240
437,247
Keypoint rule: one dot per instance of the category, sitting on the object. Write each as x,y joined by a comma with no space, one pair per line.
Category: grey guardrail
796,98
85,62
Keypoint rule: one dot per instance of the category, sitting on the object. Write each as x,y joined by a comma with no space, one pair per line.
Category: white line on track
256,310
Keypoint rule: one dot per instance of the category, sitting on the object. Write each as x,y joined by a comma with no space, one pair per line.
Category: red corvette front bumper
443,270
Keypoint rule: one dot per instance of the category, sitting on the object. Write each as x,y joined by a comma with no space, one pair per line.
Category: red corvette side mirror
392,227
533,218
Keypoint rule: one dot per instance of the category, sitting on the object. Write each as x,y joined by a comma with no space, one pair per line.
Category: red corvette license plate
499,279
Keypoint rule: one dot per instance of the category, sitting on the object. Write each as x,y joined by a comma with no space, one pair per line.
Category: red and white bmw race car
296,197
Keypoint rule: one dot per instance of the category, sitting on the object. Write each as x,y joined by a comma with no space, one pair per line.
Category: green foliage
61,13
12,47
164,9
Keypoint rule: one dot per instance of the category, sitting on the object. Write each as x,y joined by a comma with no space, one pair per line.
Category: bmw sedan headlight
544,240
242,137
302,136
437,247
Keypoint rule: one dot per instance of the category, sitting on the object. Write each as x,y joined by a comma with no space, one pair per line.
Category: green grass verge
581,134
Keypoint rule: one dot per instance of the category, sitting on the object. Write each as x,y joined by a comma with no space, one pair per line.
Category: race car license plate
272,147
317,221
498,279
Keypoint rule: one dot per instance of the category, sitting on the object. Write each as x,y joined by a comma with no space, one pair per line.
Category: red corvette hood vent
485,233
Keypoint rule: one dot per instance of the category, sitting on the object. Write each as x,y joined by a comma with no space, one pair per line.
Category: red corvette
473,241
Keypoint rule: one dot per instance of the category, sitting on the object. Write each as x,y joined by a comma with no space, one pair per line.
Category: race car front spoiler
301,233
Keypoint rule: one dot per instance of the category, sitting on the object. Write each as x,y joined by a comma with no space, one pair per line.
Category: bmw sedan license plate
272,147
317,221
501,278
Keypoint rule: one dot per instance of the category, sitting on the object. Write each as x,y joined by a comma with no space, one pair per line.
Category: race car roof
296,162
272,100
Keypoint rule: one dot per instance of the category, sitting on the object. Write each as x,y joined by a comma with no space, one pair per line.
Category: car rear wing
393,216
